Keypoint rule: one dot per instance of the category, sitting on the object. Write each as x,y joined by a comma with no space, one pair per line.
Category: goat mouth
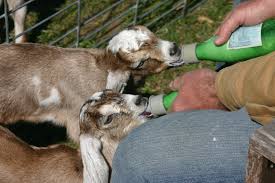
176,63
147,114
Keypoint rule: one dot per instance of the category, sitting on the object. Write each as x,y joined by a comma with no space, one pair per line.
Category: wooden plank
263,141
255,166
261,156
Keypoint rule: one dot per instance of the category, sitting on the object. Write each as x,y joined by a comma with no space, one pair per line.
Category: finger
225,19
226,29
217,31
178,105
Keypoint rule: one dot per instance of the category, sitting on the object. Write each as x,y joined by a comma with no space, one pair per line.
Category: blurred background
91,23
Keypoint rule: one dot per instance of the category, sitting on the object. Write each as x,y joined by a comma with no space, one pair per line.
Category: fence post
184,9
6,11
78,22
136,13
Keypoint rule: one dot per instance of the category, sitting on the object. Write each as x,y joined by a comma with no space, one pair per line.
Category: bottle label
246,37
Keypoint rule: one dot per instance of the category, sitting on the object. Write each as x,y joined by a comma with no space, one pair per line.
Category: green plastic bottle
168,99
245,43
160,104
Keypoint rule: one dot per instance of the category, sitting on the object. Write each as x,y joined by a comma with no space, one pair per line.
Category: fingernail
217,41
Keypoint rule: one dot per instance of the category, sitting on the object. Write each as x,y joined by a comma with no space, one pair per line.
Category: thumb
178,104
230,25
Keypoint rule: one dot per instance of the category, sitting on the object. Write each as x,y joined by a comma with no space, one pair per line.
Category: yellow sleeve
250,84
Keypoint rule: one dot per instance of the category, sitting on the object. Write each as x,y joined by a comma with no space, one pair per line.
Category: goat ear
85,126
89,125
125,57
86,119
93,160
132,27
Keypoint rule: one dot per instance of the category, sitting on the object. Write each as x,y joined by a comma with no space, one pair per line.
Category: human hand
196,90
251,12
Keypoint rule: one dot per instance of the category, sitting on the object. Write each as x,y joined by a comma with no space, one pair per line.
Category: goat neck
105,59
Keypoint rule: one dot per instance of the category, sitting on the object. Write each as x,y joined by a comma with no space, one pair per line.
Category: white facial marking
127,41
95,168
214,139
36,81
117,80
165,47
109,109
131,100
53,99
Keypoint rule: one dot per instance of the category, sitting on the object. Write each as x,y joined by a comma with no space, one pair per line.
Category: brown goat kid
43,83
104,120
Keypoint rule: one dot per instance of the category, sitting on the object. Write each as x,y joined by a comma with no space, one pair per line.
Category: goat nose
138,100
141,101
174,49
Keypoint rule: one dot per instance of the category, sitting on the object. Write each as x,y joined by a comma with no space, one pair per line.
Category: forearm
249,84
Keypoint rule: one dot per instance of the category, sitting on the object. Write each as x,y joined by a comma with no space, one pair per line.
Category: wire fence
119,13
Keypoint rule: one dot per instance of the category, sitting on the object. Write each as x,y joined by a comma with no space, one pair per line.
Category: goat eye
109,119
145,44
140,64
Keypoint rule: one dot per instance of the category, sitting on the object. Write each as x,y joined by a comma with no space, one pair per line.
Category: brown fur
19,163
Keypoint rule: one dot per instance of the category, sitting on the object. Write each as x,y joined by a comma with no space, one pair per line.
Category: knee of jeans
124,167
130,150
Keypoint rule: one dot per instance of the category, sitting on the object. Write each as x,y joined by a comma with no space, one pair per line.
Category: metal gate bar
137,18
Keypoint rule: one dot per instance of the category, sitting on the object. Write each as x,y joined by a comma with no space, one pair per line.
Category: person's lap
198,146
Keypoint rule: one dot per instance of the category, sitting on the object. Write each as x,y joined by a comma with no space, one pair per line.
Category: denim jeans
196,146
